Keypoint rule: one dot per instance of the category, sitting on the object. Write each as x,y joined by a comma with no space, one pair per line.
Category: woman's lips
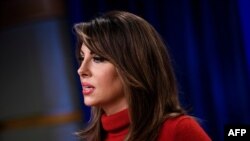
87,88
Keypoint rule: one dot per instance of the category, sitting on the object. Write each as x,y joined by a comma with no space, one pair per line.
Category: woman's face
101,84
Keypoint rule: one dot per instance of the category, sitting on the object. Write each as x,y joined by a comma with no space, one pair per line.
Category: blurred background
40,94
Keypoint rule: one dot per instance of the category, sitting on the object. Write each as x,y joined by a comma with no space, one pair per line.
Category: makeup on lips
87,88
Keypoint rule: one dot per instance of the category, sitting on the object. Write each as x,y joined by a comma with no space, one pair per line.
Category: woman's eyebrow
81,52
91,52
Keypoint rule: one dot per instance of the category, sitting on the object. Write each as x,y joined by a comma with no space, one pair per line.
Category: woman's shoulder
181,128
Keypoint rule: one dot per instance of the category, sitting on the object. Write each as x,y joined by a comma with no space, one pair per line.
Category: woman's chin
89,103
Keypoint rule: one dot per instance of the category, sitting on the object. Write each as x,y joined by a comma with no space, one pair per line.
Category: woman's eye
80,59
98,59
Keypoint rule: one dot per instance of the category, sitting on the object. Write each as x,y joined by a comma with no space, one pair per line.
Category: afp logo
236,132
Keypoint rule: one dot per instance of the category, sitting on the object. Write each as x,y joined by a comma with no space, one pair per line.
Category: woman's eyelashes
80,59
95,58
98,59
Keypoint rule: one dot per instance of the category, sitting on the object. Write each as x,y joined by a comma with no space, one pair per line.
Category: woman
127,79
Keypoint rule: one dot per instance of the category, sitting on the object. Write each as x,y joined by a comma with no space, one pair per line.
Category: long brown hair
143,64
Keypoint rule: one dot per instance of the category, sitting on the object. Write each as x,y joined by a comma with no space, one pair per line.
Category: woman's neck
115,108
111,111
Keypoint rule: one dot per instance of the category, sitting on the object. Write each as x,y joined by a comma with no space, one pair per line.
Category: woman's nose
83,70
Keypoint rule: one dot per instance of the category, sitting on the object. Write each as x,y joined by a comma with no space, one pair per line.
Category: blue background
210,44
